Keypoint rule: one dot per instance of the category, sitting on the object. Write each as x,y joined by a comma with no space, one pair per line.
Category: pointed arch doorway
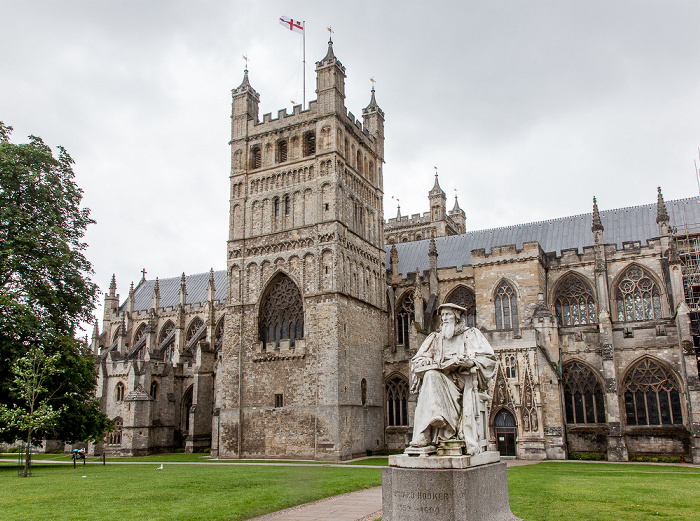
506,429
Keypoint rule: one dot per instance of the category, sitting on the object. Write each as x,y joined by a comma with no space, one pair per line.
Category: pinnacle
436,190
661,213
597,223
456,207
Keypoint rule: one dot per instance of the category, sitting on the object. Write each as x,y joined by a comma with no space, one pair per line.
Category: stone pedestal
438,488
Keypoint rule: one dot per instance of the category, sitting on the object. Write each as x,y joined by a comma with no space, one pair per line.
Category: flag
292,25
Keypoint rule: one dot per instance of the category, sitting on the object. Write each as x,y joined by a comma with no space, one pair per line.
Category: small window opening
286,205
277,207
279,401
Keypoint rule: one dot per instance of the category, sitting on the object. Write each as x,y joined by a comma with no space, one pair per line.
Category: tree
32,410
45,290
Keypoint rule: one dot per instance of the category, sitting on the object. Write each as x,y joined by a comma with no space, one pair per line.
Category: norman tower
301,366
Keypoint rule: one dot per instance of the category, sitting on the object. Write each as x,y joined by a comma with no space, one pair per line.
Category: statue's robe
450,398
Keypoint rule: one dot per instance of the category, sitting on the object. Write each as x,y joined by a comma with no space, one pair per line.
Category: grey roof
170,290
635,223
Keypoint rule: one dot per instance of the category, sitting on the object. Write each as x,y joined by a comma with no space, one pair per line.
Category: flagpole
303,31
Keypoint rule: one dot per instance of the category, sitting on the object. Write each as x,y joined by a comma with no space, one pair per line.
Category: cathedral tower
301,366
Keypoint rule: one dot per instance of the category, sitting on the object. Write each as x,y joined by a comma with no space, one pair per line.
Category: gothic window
282,151
277,207
397,402
511,367
154,390
358,163
506,304
464,297
139,333
652,396
370,173
583,395
574,302
256,157
638,296
164,333
115,437
405,316
119,392
309,144
219,335
281,312
287,205
195,326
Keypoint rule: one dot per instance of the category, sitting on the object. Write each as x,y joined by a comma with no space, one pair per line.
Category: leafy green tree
31,411
45,290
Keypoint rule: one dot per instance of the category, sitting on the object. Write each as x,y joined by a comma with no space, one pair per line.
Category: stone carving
610,385
607,352
451,372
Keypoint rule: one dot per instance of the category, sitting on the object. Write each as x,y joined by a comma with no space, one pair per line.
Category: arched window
139,333
195,326
115,437
281,150
186,407
256,157
276,205
119,392
511,367
219,335
574,302
309,144
169,348
651,395
464,297
405,315
287,205
281,312
583,395
397,402
363,392
637,295
506,304
154,390
358,163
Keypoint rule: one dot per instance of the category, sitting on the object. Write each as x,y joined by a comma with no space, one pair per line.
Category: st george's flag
292,25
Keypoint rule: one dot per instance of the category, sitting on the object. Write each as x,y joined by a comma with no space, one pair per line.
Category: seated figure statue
451,372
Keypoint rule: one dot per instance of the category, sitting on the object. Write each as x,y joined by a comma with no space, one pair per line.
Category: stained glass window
464,297
405,316
281,312
651,396
506,304
115,437
511,366
574,302
164,333
397,402
638,296
583,395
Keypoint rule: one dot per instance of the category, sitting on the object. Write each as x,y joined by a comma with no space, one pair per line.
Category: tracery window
464,297
282,151
119,392
164,333
405,315
195,326
638,296
506,303
652,396
139,333
397,402
574,302
219,335
281,313
309,143
256,157
583,395
115,437
511,367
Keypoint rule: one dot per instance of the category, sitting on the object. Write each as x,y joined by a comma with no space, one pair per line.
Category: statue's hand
469,362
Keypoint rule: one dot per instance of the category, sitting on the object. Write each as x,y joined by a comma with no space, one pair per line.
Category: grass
604,492
547,491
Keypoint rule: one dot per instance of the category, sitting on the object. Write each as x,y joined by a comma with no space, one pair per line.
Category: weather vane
330,35
246,61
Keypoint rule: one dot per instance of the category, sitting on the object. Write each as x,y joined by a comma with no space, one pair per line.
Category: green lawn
543,492
604,492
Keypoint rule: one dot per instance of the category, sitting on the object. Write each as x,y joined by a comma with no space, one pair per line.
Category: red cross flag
292,25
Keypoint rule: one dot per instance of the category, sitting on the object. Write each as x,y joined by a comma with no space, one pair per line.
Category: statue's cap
453,307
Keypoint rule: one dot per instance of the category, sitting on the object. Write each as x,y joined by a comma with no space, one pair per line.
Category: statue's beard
448,329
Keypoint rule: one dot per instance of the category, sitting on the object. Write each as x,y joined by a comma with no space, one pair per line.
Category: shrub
587,456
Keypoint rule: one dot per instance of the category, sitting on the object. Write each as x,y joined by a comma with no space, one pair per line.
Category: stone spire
113,286
394,261
398,210
436,190
661,213
330,84
373,122
211,287
131,301
456,207
458,216
437,199
156,295
245,107
95,331
183,290
597,223
432,249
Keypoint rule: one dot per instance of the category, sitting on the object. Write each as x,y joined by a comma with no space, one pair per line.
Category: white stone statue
451,373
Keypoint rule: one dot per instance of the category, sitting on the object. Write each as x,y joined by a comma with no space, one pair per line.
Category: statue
451,372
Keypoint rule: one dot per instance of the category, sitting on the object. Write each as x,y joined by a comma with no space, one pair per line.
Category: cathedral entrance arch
505,427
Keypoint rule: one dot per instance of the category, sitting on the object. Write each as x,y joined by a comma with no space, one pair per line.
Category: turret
459,217
244,107
111,306
597,226
437,202
330,83
373,118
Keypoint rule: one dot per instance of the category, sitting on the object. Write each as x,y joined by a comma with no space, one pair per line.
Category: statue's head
450,316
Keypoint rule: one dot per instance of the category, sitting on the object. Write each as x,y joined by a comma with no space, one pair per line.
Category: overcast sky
528,109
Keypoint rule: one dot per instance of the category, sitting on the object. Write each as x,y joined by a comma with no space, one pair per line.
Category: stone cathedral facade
300,347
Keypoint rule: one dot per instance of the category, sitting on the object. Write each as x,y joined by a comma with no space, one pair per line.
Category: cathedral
300,348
